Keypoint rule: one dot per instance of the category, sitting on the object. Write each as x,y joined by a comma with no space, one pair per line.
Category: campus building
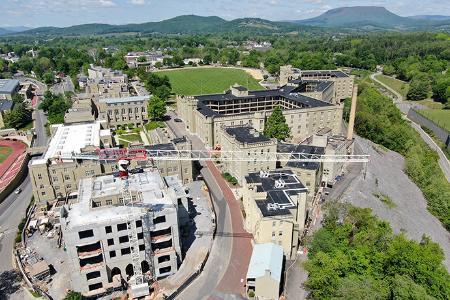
8,88
123,111
343,83
205,115
275,208
52,177
96,232
246,139
264,271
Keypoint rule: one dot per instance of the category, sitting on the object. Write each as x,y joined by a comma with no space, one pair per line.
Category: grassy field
439,116
125,139
208,80
400,86
4,153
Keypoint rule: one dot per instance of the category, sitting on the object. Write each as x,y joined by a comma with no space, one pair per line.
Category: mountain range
350,18
376,17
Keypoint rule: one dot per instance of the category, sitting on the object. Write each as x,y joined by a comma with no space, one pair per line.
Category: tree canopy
357,256
276,126
55,106
156,108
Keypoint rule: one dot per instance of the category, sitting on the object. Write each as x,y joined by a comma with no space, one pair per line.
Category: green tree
276,126
156,108
17,117
417,90
71,295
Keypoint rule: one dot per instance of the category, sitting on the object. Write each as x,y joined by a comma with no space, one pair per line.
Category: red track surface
242,247
11,165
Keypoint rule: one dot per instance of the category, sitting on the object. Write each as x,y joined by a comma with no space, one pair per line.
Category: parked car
18,191
178,120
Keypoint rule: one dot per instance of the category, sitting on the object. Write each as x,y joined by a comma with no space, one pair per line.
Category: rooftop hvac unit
272,206
279,183
263,174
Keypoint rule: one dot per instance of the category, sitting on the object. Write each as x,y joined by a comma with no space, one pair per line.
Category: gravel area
408,212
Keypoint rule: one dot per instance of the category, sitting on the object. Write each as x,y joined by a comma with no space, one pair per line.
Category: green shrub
228,177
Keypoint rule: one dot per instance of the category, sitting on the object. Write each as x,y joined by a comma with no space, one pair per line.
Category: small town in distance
200,158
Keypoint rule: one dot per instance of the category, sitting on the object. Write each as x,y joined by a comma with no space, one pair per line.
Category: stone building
246,139
124,111
97,238
343,83
205,115
265,270
275,208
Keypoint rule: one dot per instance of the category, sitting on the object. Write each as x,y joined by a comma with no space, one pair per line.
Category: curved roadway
444,163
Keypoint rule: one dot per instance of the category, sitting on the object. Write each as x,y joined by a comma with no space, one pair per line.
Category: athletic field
208,80
5,151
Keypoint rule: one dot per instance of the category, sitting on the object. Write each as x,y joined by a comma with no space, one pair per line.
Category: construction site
142,221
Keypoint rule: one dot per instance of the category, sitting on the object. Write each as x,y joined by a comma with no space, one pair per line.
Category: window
125,251
89,172
141,247
165,270
110,242
55,179
96,286
163,258
273,233
66,177
280,233
93,275
108,229
39,176
139,223
41,186
140,235
112,253
86,234
160,219
53,171
43,193
123,239
121,227
69,186
108,202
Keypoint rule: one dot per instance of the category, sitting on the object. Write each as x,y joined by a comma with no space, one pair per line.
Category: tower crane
123,156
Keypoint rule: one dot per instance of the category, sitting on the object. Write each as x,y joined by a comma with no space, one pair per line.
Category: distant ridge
180,24
376,17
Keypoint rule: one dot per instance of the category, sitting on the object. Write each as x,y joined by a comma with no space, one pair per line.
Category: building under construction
99,227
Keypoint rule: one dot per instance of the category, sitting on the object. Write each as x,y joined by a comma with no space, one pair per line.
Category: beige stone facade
123,111
205,115
272,215
246,139
343,83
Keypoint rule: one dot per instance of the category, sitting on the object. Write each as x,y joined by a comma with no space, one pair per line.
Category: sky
37,13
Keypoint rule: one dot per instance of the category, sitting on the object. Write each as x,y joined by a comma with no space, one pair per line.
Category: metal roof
266,257
7,86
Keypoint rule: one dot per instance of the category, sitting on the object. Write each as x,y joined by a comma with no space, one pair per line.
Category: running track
11,166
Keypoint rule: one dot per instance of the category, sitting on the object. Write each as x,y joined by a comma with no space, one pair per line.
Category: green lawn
125,139
4,153
439,116
208,80
400,86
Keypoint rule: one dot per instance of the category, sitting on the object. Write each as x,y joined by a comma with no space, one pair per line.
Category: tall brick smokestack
351,121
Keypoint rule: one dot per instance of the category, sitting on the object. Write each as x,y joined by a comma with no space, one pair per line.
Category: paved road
404,106
230,254
66,85
12,209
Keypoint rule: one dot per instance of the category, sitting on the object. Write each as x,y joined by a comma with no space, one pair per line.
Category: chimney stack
351,121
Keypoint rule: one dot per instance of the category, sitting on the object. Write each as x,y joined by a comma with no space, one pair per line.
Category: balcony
161,238
89,253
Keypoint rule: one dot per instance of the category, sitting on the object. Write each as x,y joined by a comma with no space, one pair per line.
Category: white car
18,191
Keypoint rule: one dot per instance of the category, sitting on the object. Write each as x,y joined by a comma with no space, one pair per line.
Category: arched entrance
129,270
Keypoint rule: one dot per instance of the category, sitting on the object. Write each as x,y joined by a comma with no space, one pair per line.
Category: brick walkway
242,248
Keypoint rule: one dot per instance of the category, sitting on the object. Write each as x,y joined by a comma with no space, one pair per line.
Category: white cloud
138,2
